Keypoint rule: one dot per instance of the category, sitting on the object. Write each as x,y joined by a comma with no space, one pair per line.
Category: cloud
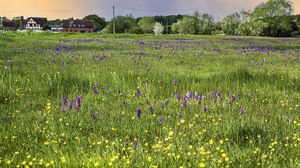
80,8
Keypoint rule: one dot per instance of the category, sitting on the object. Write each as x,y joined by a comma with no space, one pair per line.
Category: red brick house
83,26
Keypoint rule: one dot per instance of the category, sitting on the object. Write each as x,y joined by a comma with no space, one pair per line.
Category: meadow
91,100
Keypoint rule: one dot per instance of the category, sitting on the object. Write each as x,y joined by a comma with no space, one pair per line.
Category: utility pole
114,26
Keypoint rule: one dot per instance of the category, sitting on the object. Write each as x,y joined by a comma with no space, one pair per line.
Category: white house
34,23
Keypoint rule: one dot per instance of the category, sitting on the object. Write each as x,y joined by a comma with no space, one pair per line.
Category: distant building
33,23
9,25
83,26
56,28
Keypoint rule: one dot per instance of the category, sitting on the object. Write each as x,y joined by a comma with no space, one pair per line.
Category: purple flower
102,88
147,101
138,91
95,90
185,102
135,143
178,96
204,109
78,102
239,96
151,109
224,104
93,116
219,94
232,98
138,113
242,110
160,120
65,101
196,96
213,94
71,105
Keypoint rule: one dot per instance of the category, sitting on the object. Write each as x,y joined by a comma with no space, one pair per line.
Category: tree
273,8
206,23
187,25
122,24
146,24
158,28
99,22
231,23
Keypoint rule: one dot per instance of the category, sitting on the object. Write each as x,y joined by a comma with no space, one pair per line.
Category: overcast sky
80,8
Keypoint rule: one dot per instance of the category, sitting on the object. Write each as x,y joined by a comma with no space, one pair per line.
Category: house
33,23
56,28
9,25
83,26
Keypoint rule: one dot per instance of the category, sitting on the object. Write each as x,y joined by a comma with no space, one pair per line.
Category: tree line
271,18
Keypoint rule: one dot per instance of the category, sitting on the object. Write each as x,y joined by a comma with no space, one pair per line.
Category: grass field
90,100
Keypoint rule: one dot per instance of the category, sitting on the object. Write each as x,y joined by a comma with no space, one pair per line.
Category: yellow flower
63,160
201,164
171,133
113,129
211,141
221,141
8,162
227,159
52,162
16,153
223,155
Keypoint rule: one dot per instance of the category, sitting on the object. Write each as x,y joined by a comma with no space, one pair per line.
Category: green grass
36,72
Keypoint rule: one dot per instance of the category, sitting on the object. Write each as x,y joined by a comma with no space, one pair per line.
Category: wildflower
135,143
78,102
138,113
160,120
93,116
138,91
242,111
151,109
185,102
178,96
219,94
65,101
232,98
211,141
95,90
204,109
203,97
201,164
171,133
71,105
196,96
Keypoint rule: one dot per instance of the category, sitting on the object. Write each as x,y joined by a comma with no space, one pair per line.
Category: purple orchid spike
204,109
232,98
196,96
78,102
151,110
219,94
93,116
160,120
65,101
95,90
178,96
135,143
138,91
185,102
138,113
239,96
242,111
71,105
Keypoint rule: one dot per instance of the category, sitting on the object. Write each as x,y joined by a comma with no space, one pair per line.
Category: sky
63,9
